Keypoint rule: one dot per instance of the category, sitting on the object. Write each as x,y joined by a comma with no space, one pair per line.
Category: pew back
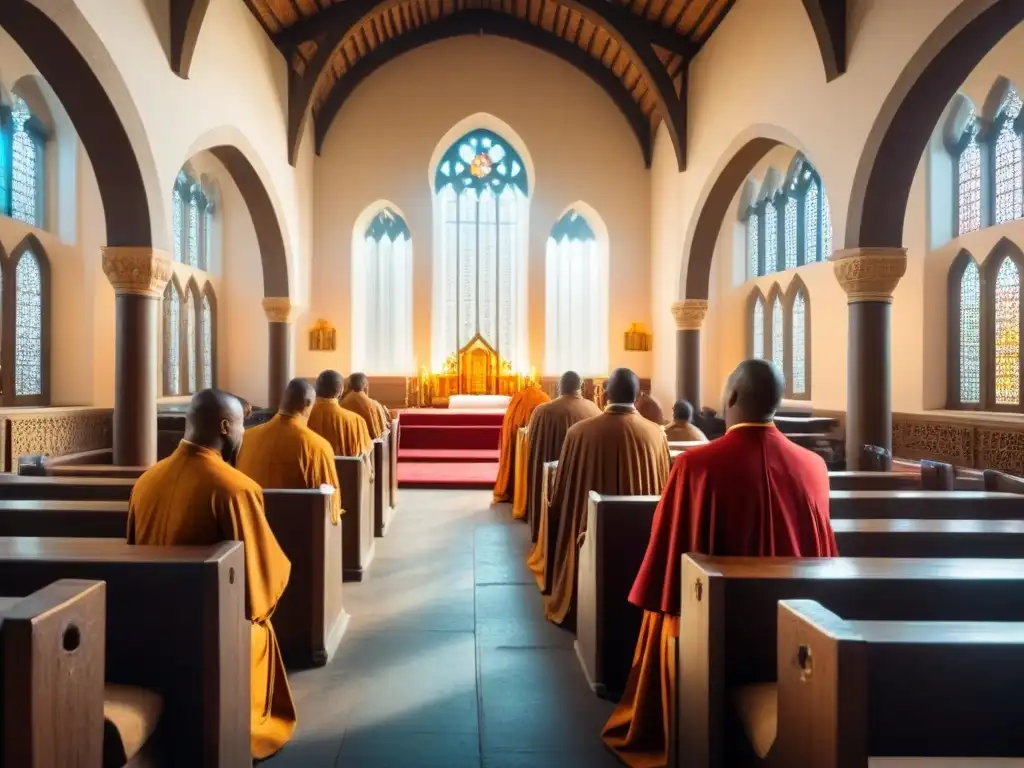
930,538
357,539
874,481
99,488
926,505
382,509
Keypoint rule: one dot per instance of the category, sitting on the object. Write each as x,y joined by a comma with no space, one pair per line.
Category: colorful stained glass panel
207,342
799,352
970,335
1007,334
28,326
1009,165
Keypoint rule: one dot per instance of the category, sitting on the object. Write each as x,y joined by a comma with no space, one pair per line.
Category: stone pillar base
279,359
689,315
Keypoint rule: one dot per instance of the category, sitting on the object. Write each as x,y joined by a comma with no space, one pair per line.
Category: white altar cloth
478,402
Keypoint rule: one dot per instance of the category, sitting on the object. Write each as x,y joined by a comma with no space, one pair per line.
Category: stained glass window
799,351
758,329
970,334
1009,164
789,234
1007,334
778,333
190,340
26,164
811,223
172,341
481,159
207,342
771,239
5,167
753,239
178,223
969,182
826,226
28,326
193,226
206,253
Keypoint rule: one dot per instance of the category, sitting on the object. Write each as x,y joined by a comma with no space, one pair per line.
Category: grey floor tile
596,757
300,752
382,749
511,615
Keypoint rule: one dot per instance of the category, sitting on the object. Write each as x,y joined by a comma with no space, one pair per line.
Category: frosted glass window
757,331
811,223
1009,165
190,340
26,167
28,326
778,333
193,227
969,183
789,234
771,240
826,226
753,243
970,335
207,343
172,341
799,351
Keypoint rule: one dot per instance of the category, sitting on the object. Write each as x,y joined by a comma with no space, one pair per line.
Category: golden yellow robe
520,488
618,453
343,429
650,409
684,432
368,409
285,453
520,408
194,498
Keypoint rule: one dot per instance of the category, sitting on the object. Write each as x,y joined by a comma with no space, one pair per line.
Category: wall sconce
637,339
322,337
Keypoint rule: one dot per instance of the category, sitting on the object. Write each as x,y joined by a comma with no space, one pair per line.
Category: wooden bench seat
926,505
930,538
98,488
850,690
357,529
728,625
175,625
382,509
874,481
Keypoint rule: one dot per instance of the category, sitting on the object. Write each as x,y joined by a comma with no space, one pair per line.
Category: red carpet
440,448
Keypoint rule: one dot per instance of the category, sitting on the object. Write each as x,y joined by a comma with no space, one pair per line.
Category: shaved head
622,387
753,393
357,382
214,420
329,384
682,411
570,383
298,398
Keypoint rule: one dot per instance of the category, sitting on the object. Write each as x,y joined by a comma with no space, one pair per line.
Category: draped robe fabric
650,409
684,432
346,432
618,453
369,409
194,498
520,408
520,488
752,492
285,453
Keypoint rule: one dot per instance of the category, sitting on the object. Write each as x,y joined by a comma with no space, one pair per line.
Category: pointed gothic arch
26,325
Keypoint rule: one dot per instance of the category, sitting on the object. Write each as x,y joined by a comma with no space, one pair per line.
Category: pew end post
357,524
382,509
700,690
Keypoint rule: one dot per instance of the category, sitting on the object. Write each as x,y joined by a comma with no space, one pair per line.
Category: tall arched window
985,330
576,318
192,218
382,295
25,334
784,320
1009,160
209,337
778,333
173,301
789,235
753,243
22,146
757,325
190,340
771,238
968,153
481,220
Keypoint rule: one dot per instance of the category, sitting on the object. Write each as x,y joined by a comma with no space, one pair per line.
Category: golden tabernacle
476,369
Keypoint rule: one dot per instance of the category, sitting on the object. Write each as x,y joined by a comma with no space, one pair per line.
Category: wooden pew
175,625
52,644
930,538
994,480
98,488
805,424
728,625
382,509
310,618
549,523
874,481
893,689
357,539
393,464
925,505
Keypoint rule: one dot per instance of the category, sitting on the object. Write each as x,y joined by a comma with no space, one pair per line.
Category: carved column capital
869,274
278,308
141,271
689,314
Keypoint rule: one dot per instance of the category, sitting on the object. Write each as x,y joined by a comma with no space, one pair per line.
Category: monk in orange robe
619,453
650,409
285,453
517,415
682,429
195,497
751,492
548,426
357,399
344,430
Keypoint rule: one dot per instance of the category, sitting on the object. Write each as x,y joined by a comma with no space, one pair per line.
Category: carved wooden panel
56,432
999,448
942,441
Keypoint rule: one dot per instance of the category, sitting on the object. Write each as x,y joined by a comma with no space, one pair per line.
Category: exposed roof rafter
828,18
187,18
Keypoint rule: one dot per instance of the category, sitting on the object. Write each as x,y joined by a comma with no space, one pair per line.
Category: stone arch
234,152
892,152
74,61
715,201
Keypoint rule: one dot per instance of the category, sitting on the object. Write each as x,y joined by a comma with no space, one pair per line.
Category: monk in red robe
517,415
618,453
752,492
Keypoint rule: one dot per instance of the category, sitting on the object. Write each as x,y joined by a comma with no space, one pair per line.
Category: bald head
570,383
622,387
329,384
214,420
298,398
753,393
357,382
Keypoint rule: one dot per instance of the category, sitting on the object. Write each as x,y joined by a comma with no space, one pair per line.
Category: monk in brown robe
344,430
357,399
285,453
618,453
650,409
682,429
195,497
750,493
517,415
548,426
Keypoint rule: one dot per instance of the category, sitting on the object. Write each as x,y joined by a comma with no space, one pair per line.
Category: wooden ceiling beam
186,20
487,22
828,19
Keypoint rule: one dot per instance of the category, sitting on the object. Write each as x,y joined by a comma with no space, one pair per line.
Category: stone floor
448,661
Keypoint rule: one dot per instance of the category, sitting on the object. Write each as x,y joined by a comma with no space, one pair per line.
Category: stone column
689,315
138,276
869,276
279,369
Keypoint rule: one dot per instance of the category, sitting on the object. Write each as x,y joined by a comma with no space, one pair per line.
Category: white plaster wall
381,144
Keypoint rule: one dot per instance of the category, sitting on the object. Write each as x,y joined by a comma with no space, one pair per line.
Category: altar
474,378
478,402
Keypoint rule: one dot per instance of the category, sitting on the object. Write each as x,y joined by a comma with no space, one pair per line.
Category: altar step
448,475
448,449
449,436
447,455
